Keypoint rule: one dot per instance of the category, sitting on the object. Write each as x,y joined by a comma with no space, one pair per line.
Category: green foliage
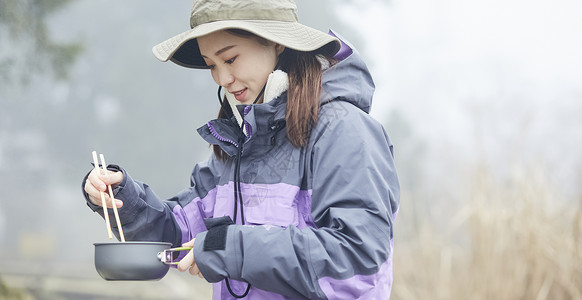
31,48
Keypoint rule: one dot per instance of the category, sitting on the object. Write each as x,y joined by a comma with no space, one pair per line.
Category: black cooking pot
134,260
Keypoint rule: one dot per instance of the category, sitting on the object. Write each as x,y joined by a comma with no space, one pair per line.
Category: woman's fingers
93,193
112,178
95,197
97,183
194,270
190,243
101,181
186,262
94,180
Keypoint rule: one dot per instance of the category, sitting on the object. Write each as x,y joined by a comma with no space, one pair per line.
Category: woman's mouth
240,95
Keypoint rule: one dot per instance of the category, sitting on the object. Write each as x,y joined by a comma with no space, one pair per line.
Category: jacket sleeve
145,217
355,194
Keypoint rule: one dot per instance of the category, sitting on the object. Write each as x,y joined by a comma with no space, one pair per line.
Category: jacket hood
349,80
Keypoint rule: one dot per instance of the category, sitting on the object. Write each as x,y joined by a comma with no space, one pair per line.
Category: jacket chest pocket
269,204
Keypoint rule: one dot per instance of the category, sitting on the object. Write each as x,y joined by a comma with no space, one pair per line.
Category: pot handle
167,256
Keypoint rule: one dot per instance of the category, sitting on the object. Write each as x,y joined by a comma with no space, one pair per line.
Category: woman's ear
279,49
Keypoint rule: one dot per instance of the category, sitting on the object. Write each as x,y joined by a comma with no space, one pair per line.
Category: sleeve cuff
216,265
216,236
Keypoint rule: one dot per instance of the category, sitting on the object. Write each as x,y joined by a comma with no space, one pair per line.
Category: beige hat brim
183,49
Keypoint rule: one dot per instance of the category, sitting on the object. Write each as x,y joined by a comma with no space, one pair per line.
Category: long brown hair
304,72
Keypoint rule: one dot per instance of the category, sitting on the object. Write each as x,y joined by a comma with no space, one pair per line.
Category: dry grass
516,239
10,293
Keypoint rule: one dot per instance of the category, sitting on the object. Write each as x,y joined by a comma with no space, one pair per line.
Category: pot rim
134,243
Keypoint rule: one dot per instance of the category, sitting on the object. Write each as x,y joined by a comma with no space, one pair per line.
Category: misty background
463,88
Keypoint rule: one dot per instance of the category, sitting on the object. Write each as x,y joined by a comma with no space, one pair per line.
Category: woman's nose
225,77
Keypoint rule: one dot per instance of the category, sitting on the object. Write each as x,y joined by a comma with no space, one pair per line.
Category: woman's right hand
97,183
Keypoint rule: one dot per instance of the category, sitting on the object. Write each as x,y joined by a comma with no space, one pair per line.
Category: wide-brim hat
274,20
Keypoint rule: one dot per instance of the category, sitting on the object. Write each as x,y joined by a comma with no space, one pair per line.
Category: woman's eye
209,65
230,61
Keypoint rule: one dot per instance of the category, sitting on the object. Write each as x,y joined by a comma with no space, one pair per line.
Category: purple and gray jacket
318,219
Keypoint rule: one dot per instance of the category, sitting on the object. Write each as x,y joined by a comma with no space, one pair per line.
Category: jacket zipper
217,136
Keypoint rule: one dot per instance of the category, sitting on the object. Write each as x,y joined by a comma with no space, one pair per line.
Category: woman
297,200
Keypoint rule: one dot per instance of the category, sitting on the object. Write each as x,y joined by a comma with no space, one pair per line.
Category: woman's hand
97,183
188,263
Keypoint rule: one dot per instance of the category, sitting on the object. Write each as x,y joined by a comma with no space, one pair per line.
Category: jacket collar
255,119
277,84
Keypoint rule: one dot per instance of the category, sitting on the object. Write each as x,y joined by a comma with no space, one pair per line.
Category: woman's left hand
188,262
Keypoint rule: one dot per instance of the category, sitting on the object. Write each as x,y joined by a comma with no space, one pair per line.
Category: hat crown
205,11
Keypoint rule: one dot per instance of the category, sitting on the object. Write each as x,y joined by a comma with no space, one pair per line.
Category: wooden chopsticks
103,171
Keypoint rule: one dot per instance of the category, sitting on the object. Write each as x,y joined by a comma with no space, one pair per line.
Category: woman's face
239,64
